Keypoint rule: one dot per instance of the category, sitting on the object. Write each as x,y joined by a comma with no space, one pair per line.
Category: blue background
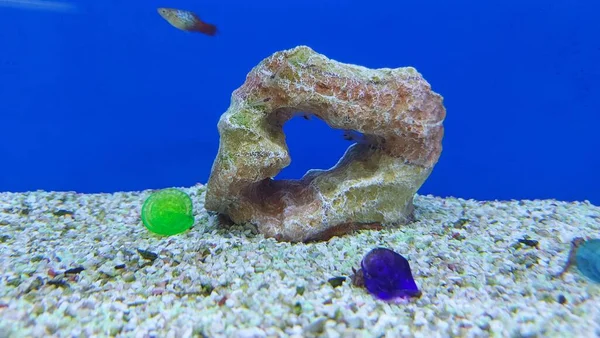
108,96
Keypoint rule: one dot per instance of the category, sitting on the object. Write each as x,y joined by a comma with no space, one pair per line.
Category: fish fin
205,28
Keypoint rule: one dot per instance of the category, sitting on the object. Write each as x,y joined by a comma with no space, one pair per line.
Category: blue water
106,96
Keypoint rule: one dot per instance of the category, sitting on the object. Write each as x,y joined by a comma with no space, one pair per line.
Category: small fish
354,136
357,137
306,116
187,21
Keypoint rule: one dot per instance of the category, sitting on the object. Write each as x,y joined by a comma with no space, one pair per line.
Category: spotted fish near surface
187,21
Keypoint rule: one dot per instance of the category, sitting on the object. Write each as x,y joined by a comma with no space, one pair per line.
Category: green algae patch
299,56
168,212
244,118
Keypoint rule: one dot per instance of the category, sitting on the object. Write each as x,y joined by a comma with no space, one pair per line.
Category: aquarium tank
299,169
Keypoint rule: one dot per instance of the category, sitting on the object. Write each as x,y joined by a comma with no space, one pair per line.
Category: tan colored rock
372,186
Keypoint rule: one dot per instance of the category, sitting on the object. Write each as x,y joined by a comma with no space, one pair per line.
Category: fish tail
206,28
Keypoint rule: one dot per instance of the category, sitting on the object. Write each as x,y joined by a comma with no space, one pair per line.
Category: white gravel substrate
477,280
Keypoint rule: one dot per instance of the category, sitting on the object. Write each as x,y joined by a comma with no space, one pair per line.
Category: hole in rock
313,145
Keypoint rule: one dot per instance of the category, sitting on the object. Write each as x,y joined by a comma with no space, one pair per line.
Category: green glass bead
168,212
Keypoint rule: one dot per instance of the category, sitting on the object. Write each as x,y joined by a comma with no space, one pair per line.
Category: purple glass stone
387,275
